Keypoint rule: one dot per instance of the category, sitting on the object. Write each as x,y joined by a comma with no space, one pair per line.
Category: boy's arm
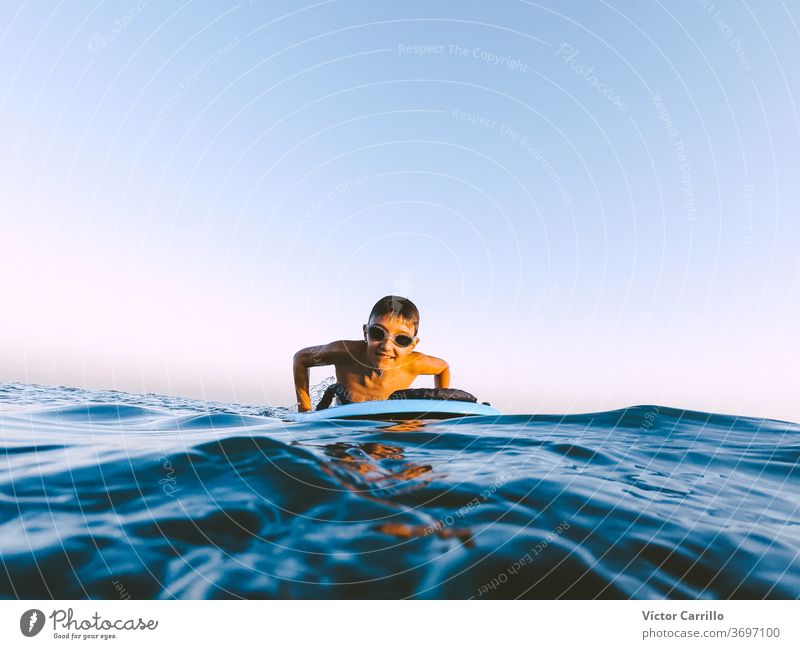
431,365
313,357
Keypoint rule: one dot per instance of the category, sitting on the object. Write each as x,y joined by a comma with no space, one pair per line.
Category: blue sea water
111,495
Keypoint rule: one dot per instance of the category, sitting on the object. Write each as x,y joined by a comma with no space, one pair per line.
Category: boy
373,368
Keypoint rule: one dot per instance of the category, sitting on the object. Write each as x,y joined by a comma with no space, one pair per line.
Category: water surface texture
106,495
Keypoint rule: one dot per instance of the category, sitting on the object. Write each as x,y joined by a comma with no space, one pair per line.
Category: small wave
169,497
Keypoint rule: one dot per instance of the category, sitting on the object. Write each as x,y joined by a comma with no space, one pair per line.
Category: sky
593,204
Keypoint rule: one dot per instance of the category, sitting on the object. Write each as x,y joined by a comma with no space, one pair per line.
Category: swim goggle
377,334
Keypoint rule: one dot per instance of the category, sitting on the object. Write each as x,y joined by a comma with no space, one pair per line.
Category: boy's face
386,353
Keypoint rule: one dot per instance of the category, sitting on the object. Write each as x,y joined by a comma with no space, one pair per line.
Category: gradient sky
593,204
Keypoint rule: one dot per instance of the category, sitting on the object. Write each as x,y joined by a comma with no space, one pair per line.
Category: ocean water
111,495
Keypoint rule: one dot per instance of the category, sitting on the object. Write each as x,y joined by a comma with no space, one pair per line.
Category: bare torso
364,382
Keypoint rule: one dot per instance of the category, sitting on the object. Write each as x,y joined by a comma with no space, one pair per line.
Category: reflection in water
438,529
381,466
408,426
387,473
646,503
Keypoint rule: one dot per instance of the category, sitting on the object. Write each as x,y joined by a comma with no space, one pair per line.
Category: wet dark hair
398,307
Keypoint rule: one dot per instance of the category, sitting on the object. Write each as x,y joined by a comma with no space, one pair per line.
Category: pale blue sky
592,203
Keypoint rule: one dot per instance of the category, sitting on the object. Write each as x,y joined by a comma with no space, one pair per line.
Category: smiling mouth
381,355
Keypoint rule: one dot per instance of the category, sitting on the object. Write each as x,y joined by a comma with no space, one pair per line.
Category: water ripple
175,498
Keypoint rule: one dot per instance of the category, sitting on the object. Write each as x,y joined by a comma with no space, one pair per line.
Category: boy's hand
440,369
313,357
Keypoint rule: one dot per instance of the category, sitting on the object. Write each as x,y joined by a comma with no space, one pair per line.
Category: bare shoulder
424,364
352,348
336,352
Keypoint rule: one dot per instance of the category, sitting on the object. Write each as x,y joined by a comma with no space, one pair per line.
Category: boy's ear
364,329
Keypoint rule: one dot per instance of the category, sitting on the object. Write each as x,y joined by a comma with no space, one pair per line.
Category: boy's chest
360,382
